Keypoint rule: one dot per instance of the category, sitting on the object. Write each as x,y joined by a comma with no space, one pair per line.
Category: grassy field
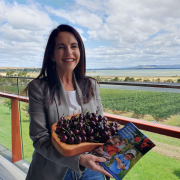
5,131
154,166
162,163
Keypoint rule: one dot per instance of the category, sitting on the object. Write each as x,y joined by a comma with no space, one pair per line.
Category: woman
60,89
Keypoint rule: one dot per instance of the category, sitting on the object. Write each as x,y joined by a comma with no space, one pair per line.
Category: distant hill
175,66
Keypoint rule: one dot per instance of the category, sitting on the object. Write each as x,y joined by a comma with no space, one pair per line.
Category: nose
68,50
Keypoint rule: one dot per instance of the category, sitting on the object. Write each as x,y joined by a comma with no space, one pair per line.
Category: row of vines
160,105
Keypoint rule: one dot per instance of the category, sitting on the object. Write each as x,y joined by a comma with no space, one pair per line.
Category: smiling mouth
68,60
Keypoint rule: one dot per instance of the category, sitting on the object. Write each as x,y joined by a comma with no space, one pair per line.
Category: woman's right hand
90,161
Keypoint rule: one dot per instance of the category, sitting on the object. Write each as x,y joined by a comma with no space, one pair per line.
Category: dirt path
167,150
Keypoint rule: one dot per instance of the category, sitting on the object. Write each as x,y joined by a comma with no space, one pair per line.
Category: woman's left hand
90,161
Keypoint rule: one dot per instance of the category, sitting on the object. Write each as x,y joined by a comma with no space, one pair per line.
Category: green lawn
27,142
153,166
5,131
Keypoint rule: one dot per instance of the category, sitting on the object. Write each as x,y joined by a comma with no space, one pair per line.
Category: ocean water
139,88
134,72
139,72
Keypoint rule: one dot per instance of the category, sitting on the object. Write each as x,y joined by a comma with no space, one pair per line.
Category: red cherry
100,117
76,131
88,115
70,140
70,133
90,138
62,132
84,138
62,118
93,123
73,118
83,132
66,126
105,118
64,138
93,114
90,131
80,125
113,130
95,119
78,139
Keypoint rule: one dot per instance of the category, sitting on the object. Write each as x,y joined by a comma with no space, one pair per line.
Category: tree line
132,79
11,73
20,70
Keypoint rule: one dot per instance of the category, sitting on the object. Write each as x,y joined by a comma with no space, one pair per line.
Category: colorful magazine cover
123,150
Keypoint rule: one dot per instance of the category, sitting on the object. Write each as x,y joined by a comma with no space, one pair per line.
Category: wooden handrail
15,97
146,125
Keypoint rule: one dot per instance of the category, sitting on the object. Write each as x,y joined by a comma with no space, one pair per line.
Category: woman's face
66,53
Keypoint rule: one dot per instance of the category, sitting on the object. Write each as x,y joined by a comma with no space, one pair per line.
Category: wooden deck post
16,137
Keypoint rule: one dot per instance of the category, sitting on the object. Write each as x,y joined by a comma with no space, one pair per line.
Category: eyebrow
61,44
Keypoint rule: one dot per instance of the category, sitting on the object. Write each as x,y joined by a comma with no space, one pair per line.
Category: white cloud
22,33
134,21
78,16
138,32
28,17
80,31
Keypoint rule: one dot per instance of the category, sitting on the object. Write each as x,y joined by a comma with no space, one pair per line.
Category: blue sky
115,33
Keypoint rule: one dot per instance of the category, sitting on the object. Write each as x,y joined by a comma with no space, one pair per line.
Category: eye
74,46
60,47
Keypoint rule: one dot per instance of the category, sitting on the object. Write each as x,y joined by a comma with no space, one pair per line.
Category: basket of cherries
81,133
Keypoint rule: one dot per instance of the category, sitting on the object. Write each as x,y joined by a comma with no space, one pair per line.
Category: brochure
123,150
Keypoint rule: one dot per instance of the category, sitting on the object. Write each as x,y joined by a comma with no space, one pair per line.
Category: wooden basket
71,149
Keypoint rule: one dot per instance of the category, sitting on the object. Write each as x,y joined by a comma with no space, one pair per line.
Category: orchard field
160,105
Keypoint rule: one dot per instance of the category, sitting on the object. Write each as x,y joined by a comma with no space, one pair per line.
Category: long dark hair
48,72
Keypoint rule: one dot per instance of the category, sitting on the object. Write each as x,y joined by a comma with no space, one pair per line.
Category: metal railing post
16,137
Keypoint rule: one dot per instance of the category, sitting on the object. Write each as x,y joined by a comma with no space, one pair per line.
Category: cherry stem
59,136
96,141
93,140
86,119
67,131
84,112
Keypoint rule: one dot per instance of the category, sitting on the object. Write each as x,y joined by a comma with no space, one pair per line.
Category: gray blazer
47,162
